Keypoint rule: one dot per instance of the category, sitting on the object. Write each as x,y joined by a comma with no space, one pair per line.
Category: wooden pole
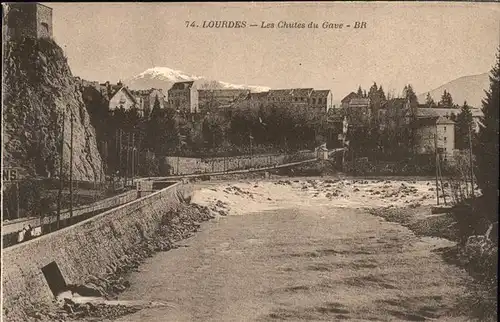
471,163
441,180
61,178
436,162
133,157
71,169
17,199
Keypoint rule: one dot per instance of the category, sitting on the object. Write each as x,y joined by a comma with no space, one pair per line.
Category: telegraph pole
61,179
436,165
471,163
120,152
127,165
133,157
71,168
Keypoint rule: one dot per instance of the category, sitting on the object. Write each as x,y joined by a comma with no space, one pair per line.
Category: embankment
36,270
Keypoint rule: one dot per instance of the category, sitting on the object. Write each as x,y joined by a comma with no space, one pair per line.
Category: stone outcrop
38,90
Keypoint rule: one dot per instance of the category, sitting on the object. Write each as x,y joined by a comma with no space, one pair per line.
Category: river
299,262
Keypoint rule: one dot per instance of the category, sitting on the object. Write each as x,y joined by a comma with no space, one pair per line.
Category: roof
444,120
433,120
359,102
126,91
258,95
320,93
350,96
427,111
302,92
336,115
182,85
280,93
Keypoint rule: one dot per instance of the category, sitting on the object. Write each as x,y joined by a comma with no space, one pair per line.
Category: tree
360,92
463,124
486,150
381,94
409,94
429,102
446,100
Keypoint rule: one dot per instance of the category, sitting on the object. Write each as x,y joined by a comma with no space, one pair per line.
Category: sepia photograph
250,161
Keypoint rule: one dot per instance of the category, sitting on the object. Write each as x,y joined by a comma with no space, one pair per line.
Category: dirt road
298,261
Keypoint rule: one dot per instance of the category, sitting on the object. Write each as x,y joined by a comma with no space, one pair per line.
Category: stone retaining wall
85,249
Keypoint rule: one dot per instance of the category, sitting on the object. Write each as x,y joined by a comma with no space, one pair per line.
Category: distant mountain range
164,78
466,88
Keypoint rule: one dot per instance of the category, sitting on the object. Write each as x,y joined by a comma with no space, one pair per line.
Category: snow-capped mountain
164,78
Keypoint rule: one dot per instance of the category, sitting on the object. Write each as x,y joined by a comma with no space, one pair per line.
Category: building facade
213,98
436,135
123,98
358,112
183,97
146,99
29,19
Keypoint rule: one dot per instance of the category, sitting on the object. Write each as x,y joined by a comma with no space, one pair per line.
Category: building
216,98
451,113
29,19
146,99
394,114
358,112
122,97
183,97
337,127
320,100
345,101
435,133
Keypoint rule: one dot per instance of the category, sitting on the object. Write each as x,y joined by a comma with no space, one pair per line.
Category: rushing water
298,263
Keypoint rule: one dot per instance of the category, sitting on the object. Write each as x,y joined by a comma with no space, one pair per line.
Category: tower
33,20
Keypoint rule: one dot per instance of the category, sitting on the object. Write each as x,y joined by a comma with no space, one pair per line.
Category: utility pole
471,163
120,152
127,164
436,162
133,157
61,180
71,168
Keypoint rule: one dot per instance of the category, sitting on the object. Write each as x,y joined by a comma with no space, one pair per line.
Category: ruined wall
85,249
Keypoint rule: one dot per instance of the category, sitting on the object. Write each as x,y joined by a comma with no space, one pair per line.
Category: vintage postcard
250,161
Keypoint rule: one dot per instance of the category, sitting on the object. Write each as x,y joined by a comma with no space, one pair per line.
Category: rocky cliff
39,95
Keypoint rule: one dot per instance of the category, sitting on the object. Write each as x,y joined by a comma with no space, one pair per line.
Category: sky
421,43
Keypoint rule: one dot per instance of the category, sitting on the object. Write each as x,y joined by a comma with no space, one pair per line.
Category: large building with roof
183,97
436,134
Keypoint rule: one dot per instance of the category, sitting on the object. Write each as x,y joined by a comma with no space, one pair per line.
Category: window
444,139
314,101
45,28
445,128
295,99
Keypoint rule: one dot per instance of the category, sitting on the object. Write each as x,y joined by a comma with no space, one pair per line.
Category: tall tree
381,94
409,94
373,92
360,91
463,123
487,148
446,100
429,102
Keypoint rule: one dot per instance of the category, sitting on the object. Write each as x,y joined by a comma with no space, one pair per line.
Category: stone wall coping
64,230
